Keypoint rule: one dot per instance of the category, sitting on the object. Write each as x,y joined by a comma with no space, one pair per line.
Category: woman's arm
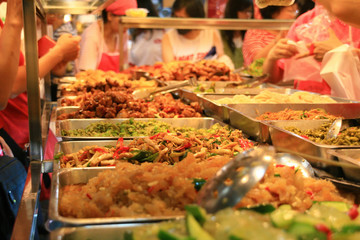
10,49
218,44
281,50
66,49
167,50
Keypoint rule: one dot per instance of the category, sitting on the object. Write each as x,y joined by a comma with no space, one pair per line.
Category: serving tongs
249,81
137,74
145,93
237,177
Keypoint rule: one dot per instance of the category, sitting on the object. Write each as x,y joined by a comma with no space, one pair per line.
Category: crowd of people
98,48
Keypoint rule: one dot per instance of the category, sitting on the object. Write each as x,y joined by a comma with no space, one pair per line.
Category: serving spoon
334,129
232,182
145,93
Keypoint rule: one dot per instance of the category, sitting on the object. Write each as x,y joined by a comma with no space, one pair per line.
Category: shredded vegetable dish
125,129
163,147
289,114
349,136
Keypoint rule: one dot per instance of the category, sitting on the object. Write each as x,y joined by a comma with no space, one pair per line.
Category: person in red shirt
14,126
320,38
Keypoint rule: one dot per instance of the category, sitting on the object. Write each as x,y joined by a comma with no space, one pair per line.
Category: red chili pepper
65,158
168,131
100,150
215,135
155,136
353,212
323,228
150,189
280,165
120,142
88,195
310,193
186,145
304,136
83,155
267,189
119,150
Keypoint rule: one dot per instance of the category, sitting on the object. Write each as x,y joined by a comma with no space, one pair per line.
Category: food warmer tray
108,232
243,116
71,124
289,140
71,176
351,156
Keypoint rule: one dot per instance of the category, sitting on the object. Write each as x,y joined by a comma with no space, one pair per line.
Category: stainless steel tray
289,140
73,146
349,156
66,177
243,116
96,232
72,124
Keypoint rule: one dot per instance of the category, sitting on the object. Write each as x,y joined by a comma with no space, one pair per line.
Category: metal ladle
334,129
232,182
145,93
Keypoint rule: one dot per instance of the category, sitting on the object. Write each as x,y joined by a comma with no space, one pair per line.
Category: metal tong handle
190,82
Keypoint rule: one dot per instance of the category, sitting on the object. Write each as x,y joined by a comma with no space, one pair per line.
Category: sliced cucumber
283,216
198,213
341,206
165,235
195,230
332,216
350,229
306,231
262,208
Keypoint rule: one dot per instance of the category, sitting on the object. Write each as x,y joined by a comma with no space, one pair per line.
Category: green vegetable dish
348,137
323,221
129,128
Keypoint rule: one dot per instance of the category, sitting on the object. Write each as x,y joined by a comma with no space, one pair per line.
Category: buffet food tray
66,177
68,147
71,124
349,156
289,140
243,116
108,232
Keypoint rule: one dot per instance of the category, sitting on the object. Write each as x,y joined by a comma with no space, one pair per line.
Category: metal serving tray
349,156
72,124
186,96
289,140
243,116
97,232
71,176
68,147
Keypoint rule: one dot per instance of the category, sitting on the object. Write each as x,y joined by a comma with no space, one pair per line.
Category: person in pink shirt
258,42
321,33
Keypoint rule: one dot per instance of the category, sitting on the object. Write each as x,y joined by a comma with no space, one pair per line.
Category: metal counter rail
197,23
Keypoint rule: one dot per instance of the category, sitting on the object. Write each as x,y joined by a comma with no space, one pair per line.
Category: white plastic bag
302,69
341,70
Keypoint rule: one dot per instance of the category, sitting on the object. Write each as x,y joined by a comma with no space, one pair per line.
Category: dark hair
104,16
305,5
268,12
152,13
231,10
193,8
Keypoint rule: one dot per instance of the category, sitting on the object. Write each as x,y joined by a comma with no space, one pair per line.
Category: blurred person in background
188,44
258,42
305,5
233,39
346,10
99,43
320,31
146,43
61,27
